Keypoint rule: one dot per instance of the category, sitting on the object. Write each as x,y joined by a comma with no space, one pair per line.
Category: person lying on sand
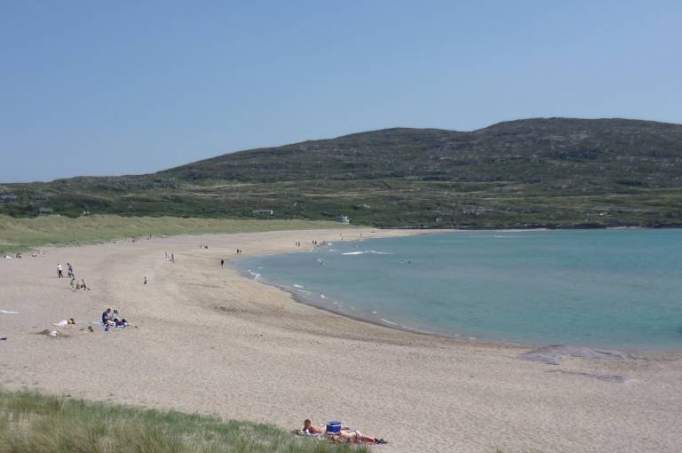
346,435
353,437
309,428
65,322
118,320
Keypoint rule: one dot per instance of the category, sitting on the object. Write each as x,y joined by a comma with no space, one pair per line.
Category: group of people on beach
343,435
112,318
73,282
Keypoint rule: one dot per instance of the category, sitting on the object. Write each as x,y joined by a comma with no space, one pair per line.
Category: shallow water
608,288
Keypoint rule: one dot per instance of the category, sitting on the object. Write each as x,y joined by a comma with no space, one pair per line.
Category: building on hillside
7,198
263,212
343,219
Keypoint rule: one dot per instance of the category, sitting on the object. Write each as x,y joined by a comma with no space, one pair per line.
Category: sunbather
118,320
346,435
309,428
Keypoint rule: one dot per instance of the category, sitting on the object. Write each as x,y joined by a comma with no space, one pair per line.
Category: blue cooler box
334,427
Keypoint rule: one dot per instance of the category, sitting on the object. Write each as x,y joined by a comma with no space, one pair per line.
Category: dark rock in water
553,354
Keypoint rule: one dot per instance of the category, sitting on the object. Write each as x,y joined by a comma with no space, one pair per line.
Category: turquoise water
608,288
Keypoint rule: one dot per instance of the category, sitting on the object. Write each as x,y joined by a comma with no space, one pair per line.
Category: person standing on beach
60,271
222,263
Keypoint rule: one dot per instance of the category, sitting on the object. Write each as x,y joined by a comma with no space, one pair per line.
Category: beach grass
34,423
17,234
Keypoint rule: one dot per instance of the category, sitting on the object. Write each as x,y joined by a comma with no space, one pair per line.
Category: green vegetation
552,173
23,233
34,423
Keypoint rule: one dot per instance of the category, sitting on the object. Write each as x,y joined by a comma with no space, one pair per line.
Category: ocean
617,288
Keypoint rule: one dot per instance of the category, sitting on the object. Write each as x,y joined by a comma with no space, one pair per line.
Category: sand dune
211,341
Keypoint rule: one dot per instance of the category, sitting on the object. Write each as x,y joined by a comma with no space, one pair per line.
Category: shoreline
14,248
395,326
365,317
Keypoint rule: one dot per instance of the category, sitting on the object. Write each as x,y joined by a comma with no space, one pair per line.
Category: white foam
389,322
296,285
366,252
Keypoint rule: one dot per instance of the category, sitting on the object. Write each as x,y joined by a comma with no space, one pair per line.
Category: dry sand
211,341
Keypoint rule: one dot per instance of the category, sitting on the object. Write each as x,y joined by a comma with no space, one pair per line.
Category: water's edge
304,296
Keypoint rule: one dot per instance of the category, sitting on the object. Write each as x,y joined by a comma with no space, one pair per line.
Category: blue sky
106,88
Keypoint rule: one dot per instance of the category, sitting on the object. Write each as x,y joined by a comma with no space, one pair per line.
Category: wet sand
211,341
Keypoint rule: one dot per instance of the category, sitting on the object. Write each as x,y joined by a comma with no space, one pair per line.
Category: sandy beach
209,340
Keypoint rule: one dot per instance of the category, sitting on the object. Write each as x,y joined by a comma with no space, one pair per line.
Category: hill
553,172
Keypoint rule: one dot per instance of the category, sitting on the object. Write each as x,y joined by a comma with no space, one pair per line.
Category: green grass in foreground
24,233
34,423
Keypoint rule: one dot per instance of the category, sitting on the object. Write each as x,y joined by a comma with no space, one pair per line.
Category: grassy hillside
33,423
539,172
23,233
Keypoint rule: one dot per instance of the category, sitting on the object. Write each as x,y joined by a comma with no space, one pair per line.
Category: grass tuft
35,423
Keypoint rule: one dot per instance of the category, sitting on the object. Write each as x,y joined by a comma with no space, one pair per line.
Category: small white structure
343,219
7,197
263,211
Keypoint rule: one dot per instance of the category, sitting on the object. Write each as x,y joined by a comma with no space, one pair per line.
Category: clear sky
121,87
